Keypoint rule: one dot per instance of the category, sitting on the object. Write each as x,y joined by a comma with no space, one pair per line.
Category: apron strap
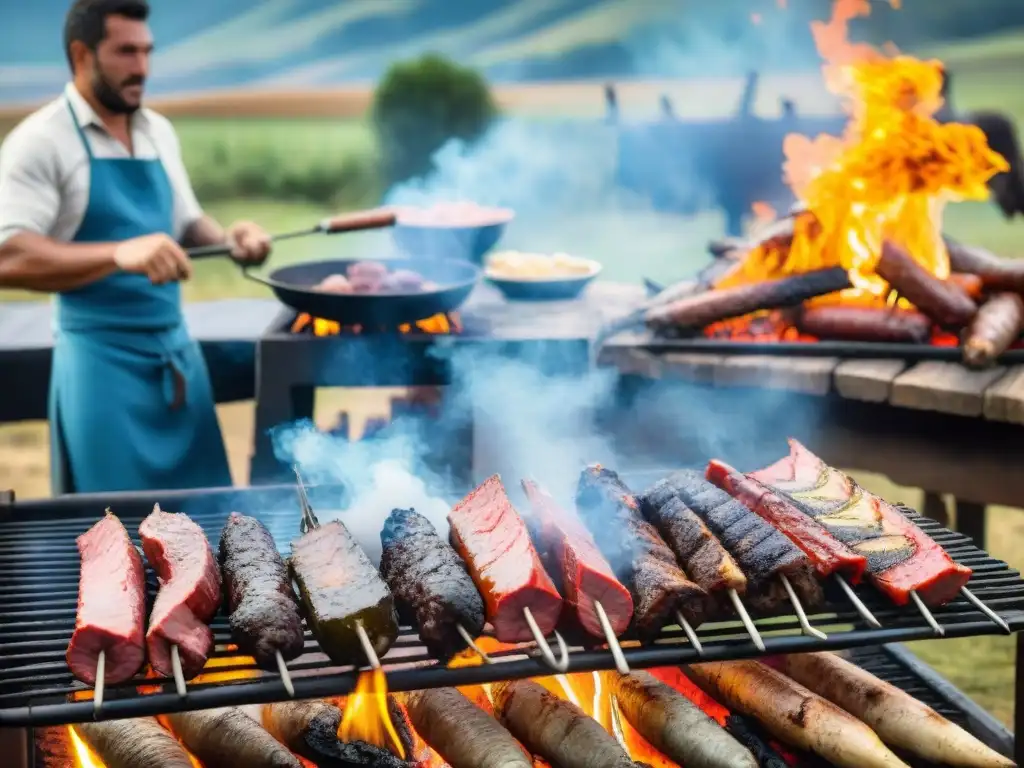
78,127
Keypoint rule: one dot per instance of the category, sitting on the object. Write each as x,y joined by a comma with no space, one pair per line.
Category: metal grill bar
38,597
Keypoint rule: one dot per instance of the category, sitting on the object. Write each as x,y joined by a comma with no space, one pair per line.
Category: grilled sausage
865,324
136,743
943,301
994,329
994,271
226,738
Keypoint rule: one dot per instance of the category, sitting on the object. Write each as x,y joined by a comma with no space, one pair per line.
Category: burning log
995,272
136,743
943,301
848,323
225,738
995,328
710,307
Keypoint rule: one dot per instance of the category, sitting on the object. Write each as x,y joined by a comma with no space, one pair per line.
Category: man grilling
94,201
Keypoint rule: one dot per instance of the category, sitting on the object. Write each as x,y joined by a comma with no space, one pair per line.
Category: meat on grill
340,590
110,565
557,730
494,542
703,557
995,328
901,557
262,609
641,560
189,595
676,726
462,733
586,576
136,743
432,588
226,738
763,552
828,554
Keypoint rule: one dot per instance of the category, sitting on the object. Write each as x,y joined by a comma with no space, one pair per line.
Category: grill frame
994,582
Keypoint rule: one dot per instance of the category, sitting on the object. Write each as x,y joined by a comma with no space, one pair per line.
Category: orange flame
84,756
440,324
366,717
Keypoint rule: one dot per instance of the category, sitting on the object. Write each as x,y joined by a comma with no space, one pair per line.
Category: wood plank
692,367
867,380
1004,400
809,375
944,387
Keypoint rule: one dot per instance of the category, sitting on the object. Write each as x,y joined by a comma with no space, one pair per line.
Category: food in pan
136,743
865,324
227,738
826,552
676,726
462,733
763,552
557,730
944,301
534,266
261,605
190,591
335,284
367,277
585,575
453,214
494,542
794,714
901,557
110,565
994,329
432,588
340,591
899,719
641,560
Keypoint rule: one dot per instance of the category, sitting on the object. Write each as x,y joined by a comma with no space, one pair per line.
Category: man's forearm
37,263
204,231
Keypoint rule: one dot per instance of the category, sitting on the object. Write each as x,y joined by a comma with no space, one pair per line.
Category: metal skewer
368,651
801,614
309,521
286,678
748,624
690,634
468,639
973,600
101,674
559,665
179,676
862,609
613,641
928,615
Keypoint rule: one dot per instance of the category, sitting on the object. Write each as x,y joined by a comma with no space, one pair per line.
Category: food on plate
642,561
432,587
531,266
794,714
140,742
452,214
994,329
341,590
586,577
262,610
110,565
190,591
494,542
901,557
226,738
898,718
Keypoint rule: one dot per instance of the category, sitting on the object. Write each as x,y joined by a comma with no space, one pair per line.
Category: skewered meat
462,733
793,714
943,301
641,560
226,738
826,552
898,718
262,609
585,575
341,590
494,542
761,551
706,561
676,726
110,565
994,329
136,743
865,324
189,595
901,557
557,730
431,585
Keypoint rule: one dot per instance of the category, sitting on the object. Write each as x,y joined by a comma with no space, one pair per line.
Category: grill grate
38,599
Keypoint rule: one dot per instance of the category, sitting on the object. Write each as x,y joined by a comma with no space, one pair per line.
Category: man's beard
110,96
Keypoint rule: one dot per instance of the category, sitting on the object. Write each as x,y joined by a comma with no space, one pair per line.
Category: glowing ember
366,717
210,673
440,324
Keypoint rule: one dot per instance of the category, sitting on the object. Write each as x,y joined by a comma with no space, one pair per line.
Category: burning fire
366,717
888,177
440,324
84,757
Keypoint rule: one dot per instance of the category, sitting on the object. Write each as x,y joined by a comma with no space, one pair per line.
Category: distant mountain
205,45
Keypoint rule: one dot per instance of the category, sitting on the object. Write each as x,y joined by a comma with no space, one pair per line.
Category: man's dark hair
87,20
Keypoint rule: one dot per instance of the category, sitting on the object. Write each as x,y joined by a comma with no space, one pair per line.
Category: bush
421,104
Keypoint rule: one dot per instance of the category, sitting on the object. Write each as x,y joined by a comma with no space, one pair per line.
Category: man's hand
157,257
249,243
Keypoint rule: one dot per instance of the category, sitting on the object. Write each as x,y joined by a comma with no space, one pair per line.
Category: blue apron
131,406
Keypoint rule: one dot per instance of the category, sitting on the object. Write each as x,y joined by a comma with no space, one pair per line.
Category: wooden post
970,521
935,508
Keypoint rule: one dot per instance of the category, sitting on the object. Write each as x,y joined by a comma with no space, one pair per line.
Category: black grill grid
38,599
